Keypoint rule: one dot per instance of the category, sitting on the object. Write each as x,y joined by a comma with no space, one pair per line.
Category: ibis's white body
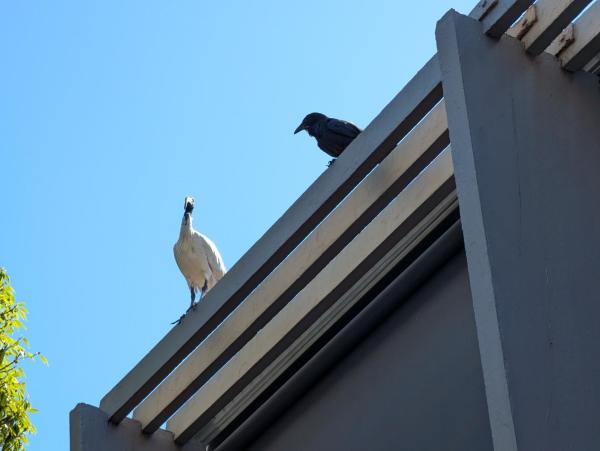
197,257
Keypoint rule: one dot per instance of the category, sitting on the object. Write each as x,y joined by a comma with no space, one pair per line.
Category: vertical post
525,139
91,431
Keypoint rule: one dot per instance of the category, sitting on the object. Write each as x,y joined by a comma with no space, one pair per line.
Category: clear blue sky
112,111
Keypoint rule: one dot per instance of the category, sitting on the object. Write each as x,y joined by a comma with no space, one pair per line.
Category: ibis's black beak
300,128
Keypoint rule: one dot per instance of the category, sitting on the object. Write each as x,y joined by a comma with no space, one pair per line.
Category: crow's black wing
334,136
343,128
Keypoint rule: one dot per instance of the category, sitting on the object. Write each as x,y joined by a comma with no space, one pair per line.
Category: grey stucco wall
414,384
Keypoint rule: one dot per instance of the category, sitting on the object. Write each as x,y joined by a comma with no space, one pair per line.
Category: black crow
332,135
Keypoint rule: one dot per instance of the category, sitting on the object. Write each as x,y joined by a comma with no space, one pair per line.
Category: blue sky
111,112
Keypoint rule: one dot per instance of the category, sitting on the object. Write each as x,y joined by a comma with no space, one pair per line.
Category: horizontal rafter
562,41
552,16
586,44
369,148
500,16
409,157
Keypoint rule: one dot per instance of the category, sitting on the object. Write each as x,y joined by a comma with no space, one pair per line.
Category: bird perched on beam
197,257
332,135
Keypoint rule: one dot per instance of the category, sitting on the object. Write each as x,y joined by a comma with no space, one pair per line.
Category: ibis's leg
330,162
193,296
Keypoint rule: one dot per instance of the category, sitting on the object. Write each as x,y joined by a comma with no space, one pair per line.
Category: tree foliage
15,408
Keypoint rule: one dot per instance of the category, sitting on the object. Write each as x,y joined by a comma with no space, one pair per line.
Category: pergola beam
409,157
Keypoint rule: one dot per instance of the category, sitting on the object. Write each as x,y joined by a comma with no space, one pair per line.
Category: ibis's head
188,204
309,121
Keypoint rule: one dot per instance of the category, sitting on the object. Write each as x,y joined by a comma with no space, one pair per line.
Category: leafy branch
15,407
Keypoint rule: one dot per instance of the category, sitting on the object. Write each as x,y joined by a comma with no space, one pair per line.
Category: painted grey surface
369,148
485,308
526,145
91,431
445,242
415,383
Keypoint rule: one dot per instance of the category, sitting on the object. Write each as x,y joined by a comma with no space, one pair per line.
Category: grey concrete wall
91,431
414,384
526,146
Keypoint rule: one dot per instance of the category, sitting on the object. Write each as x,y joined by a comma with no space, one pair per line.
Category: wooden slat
184,423
430,136
562,41
587,40
368,149
501,16
524,24
482,9
552,16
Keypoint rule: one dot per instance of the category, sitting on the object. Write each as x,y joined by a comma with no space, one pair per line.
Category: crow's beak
299,129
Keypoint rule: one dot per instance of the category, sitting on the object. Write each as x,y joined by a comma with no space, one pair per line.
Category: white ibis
197,256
